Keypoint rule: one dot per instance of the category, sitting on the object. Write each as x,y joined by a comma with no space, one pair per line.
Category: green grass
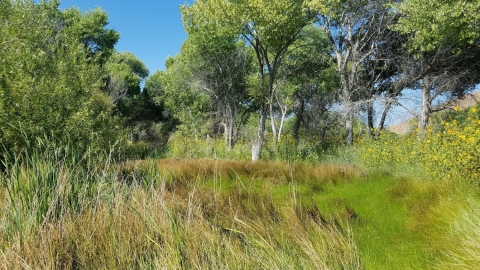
64,211
379,222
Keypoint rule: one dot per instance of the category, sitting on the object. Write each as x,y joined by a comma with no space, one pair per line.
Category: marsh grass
66,210
437,184
62,211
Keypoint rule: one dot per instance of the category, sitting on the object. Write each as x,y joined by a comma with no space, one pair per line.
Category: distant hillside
462,103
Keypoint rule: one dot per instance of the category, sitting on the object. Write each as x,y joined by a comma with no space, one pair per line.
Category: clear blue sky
150,29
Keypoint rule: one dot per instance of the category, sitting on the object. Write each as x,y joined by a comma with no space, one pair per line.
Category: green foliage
448,149
273,21
89,30
269,27
182,146
184,101
48,84
48,182
126,72
437,23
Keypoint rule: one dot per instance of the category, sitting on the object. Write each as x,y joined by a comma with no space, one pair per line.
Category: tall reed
68,210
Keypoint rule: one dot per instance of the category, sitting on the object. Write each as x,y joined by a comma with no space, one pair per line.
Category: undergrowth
445,163
59,212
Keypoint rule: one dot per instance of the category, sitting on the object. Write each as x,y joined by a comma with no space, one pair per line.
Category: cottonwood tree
436,23
125,72
354,28
189,104
219,67
440,72
269,27
443,45
136,106
382,70
90,30
310,82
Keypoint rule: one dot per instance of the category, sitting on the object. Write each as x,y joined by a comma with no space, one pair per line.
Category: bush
448,149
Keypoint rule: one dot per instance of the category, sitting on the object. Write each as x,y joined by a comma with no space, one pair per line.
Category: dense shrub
448,149
50,83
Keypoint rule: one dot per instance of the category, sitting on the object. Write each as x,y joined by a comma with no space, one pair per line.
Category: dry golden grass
180,222
189,170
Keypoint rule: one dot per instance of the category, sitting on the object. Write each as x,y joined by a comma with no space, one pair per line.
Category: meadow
378,205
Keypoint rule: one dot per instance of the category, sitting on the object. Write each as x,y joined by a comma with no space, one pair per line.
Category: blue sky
150,29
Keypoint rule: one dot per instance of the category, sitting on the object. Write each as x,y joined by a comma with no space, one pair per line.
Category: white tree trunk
349,115
258,143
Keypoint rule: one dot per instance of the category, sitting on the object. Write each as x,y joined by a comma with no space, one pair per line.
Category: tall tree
125,72
382,71
219,67
311,82
187,103
90,30
436,23
48,85
354,29
269,27
444,41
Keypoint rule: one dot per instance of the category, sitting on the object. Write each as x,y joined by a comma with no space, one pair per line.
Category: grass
62,211
195,214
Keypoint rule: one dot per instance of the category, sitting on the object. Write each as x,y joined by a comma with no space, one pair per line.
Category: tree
154,111
354,29
219,67
89,29
381,77
125,74
269,27
441,72
437,23
311,82
48,84
444,41
189,104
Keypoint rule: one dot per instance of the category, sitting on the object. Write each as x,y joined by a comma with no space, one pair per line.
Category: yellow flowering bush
387,149
448,149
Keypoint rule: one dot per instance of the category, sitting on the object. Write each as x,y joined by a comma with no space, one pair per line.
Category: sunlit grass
175,214
63,210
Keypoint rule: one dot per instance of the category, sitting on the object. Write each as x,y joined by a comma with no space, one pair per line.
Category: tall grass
46,183
66,210
62,209
287,149
444,160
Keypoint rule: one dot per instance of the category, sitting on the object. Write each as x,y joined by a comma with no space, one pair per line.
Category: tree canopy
48,84
436,23
269,27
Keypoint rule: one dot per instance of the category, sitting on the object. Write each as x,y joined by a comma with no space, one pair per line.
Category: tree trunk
229,119
370,114
282,121
272,119
381,125
258,143
349,113
426,105
299,119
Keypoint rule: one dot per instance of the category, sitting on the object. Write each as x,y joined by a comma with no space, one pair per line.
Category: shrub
448,149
